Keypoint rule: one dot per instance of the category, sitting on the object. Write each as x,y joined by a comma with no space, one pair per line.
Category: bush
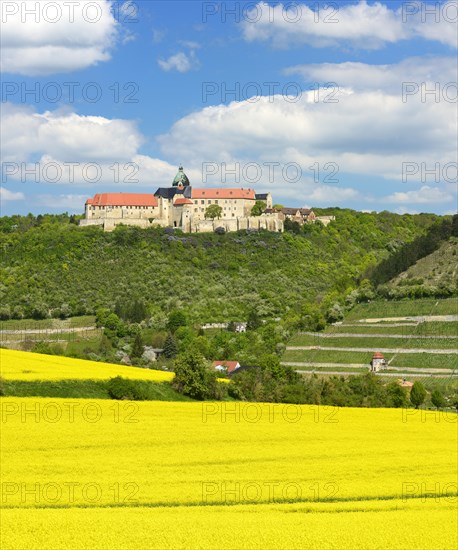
48,348
133,390
417,394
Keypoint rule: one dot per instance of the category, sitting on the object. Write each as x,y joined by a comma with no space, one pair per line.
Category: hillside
418,338
50,267
438,269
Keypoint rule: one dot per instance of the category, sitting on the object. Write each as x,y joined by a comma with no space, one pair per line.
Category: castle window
202,202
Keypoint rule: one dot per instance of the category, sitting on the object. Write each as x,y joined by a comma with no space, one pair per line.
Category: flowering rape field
20,365
105,474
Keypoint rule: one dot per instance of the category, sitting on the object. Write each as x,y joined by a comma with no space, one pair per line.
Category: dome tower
181,179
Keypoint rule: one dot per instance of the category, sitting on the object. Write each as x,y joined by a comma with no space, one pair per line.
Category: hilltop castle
184,207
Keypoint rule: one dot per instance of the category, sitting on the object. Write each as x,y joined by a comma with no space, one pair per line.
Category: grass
401,308
85,389
436,328
31,324
318,369
410,360
374,342
439,266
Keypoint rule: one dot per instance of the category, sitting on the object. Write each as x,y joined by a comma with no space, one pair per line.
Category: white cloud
66,136
189,44
40,37
424,195
7,195
323,194
359,25
369,133
74,149
413,72
180,62
74,203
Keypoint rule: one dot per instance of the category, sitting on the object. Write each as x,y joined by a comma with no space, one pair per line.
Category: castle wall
122,212
270,223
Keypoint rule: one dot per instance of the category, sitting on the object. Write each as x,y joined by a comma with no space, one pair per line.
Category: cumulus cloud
65,147
359,25
413,72
424,195
73,203
369,133
66,136
366,134
40,37
180,62
7,195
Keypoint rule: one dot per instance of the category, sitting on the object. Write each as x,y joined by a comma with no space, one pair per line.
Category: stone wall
268,222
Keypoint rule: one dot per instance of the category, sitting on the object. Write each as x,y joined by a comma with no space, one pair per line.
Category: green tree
278,206
170,347
213,211
397,395
253,321
437,399
417,394
138,346
258,208
176,319
194,378
335,313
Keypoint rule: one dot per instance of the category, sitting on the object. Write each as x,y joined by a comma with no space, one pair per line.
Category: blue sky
322,106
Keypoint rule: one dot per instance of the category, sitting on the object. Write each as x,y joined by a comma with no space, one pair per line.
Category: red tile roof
223,193
377,355
123,199
230,365
179,202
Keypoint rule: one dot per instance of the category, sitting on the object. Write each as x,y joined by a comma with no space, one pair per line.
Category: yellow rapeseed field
20,365
90,474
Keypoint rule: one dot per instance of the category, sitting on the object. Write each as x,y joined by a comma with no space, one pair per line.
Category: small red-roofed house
378,362
226,366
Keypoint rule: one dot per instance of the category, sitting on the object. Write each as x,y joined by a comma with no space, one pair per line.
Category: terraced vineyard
416,337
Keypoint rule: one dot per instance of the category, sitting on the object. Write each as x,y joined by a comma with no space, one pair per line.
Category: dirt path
394,375
399,370
418,318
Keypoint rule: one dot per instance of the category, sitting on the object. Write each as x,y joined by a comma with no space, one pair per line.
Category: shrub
48,348
417,394
133,390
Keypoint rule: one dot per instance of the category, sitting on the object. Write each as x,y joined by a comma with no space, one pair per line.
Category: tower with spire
181,179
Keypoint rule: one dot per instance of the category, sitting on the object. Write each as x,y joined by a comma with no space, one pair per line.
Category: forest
50,267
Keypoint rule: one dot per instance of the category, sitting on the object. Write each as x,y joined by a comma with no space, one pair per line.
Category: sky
349,104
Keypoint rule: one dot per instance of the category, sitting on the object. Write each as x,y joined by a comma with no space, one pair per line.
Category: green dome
181,178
